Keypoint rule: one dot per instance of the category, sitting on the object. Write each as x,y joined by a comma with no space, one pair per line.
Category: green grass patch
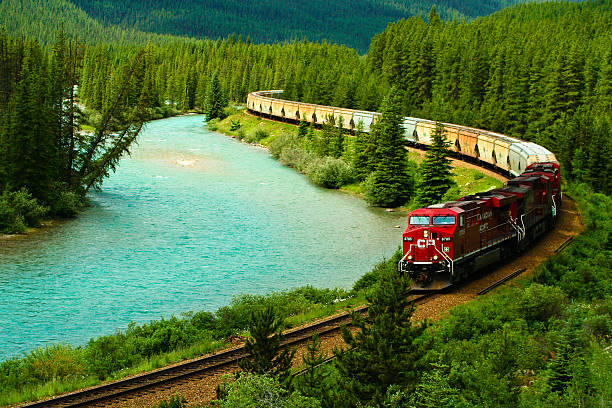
250,126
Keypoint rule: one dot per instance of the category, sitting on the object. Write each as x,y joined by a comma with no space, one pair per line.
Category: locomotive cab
428,246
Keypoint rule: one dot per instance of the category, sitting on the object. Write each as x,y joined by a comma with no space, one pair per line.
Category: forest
347,23
69,109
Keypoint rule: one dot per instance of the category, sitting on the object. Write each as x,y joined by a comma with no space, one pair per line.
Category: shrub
212,124
540,303
18,209
55,362
107,354
257,136
176,401
330,172
296,157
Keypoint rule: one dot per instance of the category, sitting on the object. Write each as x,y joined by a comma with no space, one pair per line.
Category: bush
176,401
257,136
55,362
18,209
296,157
107,354
330,172
213,124
540,303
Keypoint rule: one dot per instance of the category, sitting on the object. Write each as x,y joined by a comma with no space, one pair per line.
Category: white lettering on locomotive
424,243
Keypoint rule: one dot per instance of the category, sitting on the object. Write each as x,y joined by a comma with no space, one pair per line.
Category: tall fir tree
435,173
389,183
264,346
215,100
386,348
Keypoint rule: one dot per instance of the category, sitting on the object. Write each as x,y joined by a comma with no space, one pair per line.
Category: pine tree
385,349
311,383
214,101
435,175
364,150
264,348
389,184
336,147
302,130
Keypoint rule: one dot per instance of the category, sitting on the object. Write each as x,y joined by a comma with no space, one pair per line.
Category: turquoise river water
191,219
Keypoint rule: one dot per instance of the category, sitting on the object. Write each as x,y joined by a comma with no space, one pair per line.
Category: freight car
507,155
447,242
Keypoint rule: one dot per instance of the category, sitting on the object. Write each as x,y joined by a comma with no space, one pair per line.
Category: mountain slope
42,19
350,23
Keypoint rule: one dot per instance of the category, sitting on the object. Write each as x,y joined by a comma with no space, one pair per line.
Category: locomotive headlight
409,257
435,257
425,233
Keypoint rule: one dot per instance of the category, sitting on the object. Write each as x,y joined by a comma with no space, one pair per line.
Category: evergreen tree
435,175
311,383
389,184
386,349
264,348
364,151
214,101
337,142
302,130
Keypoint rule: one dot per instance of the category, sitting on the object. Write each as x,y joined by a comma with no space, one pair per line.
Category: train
447,242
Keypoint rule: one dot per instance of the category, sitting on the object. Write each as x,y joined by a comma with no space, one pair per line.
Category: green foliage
19,210
386,349
253,391
313,381
264,346
214,101
269,22
329,172
435,173
176,401
526,85
256,136
389,183
582,270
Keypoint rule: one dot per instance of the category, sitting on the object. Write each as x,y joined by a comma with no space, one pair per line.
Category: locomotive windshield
419,220
444,220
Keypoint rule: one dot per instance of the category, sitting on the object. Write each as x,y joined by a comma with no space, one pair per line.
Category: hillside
349,23
41,19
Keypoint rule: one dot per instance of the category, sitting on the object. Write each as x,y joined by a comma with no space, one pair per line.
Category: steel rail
195,367
564,245
501,281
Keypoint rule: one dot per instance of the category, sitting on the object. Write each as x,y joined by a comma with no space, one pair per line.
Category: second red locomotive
447,242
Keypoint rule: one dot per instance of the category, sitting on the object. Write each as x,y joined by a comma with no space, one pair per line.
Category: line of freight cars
508,155
447,242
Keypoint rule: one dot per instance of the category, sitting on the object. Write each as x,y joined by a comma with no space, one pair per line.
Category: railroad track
143,383
170,375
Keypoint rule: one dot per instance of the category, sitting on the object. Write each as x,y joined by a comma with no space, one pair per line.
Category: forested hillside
537,72
41,19
350,23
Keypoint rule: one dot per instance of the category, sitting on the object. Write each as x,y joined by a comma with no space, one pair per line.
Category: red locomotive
447,242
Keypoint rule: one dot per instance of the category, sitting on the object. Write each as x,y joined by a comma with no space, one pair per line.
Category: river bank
469,178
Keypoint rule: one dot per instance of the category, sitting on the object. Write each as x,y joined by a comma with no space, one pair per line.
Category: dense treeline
538,72
349,23
41,19
179,73
46,163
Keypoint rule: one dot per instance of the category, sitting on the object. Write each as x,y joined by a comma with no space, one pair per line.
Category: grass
33,392
250,124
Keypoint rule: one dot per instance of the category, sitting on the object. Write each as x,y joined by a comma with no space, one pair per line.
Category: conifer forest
80,81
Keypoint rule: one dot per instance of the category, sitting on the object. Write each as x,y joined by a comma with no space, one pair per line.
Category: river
191,219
